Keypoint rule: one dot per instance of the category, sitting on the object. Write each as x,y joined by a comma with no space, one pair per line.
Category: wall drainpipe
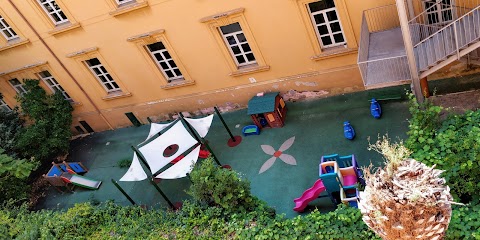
61,64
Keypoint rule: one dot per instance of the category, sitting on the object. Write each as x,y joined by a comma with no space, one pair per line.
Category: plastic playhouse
267,110
339,177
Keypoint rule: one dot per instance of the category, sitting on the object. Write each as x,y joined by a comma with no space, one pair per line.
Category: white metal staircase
443,33
449,43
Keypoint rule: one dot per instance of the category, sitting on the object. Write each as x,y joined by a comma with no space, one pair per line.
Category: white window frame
103,73
5,27
438,12
56,10
238,44
327,23
166,61
121,2
52,83
18,87
4,106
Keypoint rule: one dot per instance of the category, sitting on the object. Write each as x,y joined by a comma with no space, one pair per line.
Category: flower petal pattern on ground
286,158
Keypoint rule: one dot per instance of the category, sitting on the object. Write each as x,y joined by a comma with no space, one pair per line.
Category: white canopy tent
201,125
182,167
153,150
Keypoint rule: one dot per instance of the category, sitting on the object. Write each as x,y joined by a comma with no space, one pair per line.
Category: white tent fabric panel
201,125
135,172
182,167
153,151
156,128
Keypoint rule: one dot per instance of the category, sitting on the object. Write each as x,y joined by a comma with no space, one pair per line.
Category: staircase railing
449,40
438,15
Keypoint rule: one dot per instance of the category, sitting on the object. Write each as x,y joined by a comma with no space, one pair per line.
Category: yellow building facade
150,58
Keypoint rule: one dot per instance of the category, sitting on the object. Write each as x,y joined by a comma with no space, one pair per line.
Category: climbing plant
452,144
49,133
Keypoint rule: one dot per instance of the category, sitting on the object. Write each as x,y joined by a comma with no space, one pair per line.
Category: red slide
308,196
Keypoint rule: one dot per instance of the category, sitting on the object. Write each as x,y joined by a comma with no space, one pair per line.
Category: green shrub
452,145
124,163
110,221
343,223
216,186
10,126
49,134
13,174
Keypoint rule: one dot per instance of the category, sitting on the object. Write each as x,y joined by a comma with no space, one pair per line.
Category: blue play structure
348,130
375,109
250,130
339,179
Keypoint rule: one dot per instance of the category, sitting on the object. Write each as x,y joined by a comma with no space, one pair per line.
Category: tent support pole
142,159
182,118
189,178
211,152
150,176
149,120
161,193
224,124
123,192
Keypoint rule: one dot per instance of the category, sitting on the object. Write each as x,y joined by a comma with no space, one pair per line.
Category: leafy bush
216,186
124,163
464,223
10,126
343,223
110,221
13,174
452,145
49,133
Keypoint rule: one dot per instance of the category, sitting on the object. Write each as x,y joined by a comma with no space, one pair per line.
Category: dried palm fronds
406,199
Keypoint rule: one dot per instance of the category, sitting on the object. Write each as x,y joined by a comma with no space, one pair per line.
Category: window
17,85
235,39
54,11
165,61
237,44
119,2
102,75
119,7
6,30
327,24
439,11
53,84
4,106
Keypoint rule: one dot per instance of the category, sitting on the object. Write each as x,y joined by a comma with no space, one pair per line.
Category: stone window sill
249,70
116,95
14,43
128,8
334,52
76,104
63,28
177,84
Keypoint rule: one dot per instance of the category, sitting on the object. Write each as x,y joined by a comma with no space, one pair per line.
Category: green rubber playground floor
317,126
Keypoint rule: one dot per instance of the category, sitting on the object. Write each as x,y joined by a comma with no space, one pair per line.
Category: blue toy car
375,109
348,131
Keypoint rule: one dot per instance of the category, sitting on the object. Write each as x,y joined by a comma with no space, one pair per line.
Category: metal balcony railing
377,70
